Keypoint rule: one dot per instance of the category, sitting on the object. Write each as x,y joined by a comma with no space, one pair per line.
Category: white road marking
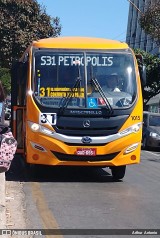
152,153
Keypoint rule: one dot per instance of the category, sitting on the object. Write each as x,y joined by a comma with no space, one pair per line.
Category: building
153,104
136,37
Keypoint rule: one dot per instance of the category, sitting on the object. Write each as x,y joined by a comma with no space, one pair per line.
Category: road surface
86,198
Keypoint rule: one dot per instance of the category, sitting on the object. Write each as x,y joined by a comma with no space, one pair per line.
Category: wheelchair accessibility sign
92,103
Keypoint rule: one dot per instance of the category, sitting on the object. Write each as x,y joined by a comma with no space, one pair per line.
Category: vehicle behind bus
78,101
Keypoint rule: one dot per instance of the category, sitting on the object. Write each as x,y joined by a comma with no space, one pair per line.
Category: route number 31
48,118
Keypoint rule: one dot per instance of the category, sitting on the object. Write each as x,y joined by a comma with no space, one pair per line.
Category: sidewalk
2,202
3,197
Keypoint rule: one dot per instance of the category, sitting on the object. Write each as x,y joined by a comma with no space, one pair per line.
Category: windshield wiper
98,87
66,100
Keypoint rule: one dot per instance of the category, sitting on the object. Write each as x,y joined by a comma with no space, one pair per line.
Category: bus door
19,76
18,114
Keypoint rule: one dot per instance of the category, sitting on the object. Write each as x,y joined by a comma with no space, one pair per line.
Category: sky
93,18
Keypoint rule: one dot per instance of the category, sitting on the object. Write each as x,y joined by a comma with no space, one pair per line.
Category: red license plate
86,151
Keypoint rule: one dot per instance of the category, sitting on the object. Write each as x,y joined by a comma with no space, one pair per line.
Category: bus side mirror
142,72
142,69
19,71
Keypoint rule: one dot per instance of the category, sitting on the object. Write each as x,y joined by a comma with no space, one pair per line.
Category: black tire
118,172
33,170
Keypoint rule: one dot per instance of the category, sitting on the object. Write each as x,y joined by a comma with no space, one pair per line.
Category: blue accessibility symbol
92,103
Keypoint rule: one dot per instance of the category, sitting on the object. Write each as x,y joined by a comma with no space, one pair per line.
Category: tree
21,22
152,63
150,20
5,78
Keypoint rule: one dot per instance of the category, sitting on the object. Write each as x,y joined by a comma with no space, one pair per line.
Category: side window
19,75
22,83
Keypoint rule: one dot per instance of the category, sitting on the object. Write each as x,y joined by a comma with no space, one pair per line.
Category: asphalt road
87,198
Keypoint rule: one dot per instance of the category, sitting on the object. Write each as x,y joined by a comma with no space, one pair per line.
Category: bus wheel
32,170
118,172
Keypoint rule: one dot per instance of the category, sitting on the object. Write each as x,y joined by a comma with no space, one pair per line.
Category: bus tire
118,172
33,170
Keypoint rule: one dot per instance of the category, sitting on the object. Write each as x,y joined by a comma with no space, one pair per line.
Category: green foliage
150,20
21,22
152,63
5,77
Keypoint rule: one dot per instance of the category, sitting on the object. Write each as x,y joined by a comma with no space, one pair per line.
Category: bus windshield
84,79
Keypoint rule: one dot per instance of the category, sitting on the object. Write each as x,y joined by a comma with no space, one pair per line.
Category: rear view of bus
77,101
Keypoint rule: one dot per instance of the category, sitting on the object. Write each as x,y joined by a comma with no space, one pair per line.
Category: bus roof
79,43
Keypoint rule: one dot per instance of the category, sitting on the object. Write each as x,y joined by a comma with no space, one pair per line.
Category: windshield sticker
101,101
110,100
61,92
47,60
48,118
92,103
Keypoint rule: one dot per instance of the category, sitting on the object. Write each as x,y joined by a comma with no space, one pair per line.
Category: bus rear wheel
118,172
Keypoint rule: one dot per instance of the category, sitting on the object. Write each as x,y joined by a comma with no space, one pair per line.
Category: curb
2,202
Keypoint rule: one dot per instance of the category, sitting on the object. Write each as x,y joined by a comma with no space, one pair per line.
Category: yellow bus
65,111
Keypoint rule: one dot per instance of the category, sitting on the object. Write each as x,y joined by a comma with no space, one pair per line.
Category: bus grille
66,157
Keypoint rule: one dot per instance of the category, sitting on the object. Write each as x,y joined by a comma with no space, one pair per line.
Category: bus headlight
133,129
34,126
46,131
37,128
131,148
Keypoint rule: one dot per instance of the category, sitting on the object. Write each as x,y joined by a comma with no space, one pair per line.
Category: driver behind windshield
111,83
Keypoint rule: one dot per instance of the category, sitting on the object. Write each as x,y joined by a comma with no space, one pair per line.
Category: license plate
86,151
